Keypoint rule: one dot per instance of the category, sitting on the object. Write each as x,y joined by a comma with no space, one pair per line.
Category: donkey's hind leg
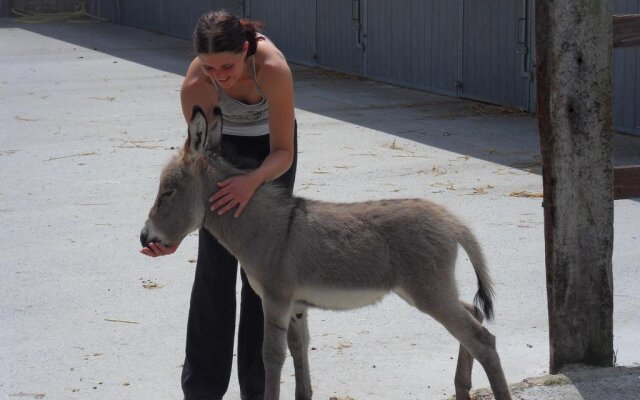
465,361
298,340
470,333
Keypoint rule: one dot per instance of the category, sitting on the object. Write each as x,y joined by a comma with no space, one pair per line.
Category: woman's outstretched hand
157,250
235,191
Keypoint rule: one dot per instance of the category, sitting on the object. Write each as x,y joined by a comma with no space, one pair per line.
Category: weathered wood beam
626,182
574,86
626,30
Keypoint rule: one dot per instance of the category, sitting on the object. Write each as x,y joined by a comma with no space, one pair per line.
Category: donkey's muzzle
145,239
144,236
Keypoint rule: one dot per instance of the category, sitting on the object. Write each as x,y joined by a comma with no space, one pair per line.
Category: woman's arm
276,82
197,89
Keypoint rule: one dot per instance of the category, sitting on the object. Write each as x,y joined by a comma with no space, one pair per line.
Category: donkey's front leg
298,339
274,347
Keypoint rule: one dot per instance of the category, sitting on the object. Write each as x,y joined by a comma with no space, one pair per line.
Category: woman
242,72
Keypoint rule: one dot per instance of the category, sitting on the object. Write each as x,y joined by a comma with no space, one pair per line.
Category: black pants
212,314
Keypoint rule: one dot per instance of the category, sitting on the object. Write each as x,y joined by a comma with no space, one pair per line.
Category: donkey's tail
484,296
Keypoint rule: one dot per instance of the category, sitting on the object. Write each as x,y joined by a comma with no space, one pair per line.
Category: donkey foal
300,253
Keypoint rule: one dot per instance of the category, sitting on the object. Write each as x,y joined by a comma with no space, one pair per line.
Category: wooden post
574,86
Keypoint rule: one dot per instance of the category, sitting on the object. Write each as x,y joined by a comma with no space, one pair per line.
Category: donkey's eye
168,193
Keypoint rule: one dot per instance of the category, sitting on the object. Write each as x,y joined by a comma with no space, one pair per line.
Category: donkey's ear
195,145
214,133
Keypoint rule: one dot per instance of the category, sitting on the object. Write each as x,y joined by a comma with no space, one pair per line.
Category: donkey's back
371,248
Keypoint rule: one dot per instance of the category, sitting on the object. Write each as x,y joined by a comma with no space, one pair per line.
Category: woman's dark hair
220,31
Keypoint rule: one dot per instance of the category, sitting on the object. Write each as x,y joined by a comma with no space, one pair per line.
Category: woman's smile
224,67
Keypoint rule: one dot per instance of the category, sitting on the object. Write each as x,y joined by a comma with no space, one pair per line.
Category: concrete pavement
90,113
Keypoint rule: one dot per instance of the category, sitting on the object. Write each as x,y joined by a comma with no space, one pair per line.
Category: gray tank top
240,119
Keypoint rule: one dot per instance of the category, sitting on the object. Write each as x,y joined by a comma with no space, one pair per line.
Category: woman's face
225,67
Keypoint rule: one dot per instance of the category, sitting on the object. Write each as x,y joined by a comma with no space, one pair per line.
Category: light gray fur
300,253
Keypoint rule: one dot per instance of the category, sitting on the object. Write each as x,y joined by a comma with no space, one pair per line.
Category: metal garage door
290,24
626,81
414,43
495,55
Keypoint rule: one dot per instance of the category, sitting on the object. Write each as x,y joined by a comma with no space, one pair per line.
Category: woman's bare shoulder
197,89
272,71
270,59
195,77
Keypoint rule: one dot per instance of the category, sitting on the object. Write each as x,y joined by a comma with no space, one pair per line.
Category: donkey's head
181,203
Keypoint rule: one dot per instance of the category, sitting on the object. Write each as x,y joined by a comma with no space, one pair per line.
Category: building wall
626,78
173,17
468,48
414,43
5,8
291,24
496,54
44,6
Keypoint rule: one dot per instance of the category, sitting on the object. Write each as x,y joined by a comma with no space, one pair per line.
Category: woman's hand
235,191
157,250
